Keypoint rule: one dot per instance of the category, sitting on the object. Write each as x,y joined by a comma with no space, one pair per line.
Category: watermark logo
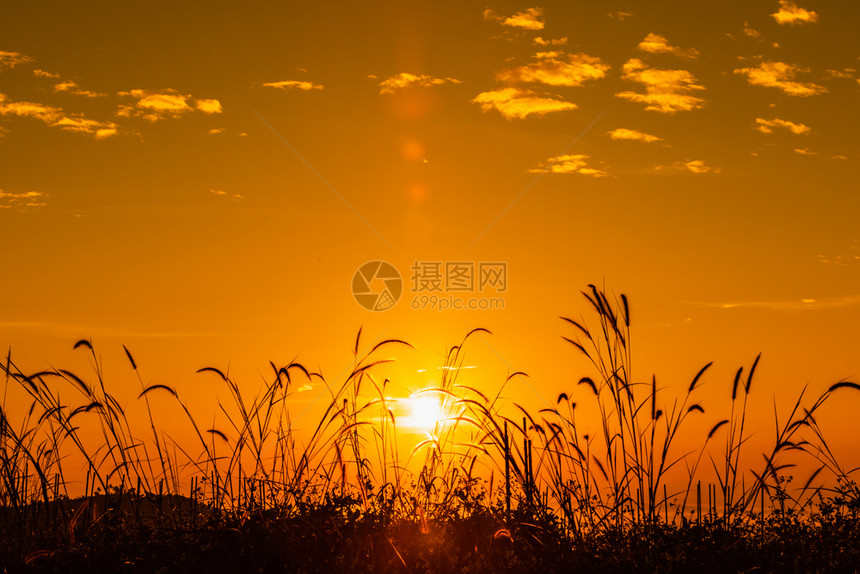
435,285
377,285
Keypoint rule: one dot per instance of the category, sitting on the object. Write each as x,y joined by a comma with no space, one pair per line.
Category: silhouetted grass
493,487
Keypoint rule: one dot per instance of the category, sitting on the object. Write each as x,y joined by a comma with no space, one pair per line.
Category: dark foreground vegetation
495,487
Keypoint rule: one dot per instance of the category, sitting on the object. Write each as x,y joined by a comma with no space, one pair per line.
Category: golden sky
201,182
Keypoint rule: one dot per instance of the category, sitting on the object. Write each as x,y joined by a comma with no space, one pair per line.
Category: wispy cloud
632,135
781,75
407,80
843,74
294,85
514,103
557,69
550,41
222,193
9,60
804,151
154,105
577,163
844,259
666,91
56,117
790,13
751,32
768,126
809,304
22,200
620,15
43,74
82,125
695,166
73,88
657,44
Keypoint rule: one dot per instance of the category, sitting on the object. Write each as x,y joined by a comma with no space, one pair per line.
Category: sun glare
425,411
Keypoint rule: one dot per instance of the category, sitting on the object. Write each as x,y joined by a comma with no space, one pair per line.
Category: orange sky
201,184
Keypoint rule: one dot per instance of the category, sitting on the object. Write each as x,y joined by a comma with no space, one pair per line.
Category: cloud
843,74
294,85
406,80
154,105
666,91
82,125
23,200
790,13
569,164
72,88
697,166
751,32
9,60
632,135
619,15
209,106
557,69
56,117
805,151
515,103
43,74
767,126
222,193
808,304
657,44
215,131
781,75
45,113
528,19
550,42
853,257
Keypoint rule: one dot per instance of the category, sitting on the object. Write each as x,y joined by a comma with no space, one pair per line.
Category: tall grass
486,455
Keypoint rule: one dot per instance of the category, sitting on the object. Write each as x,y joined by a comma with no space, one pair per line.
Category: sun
425,412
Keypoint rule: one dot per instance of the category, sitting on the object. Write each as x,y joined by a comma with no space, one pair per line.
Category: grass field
493,486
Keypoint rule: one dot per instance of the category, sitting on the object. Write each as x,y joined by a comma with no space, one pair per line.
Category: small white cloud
697,166
56,117
768,126
620,15
557,69
528,19
21,201
514,103
666,91
577,163
406,80
657,44
781,75
790,13
751,32
43,74
155,105
209,106
70,87
632,135
9,60
294,85
550,41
